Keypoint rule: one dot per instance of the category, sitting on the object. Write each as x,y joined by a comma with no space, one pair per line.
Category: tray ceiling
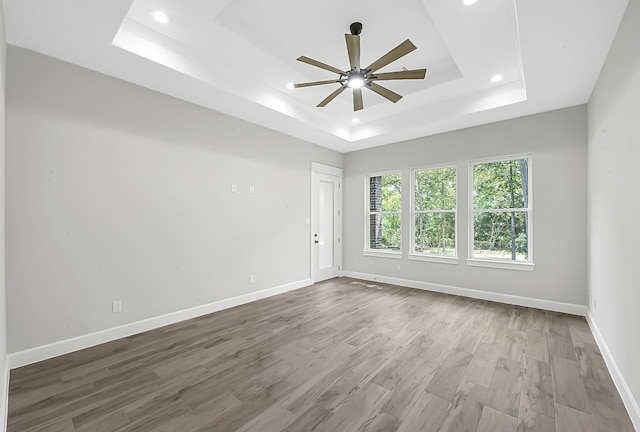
237,57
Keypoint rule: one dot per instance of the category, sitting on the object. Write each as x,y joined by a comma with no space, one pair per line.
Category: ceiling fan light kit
357,78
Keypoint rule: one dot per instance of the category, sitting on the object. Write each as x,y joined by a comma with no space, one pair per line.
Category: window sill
434,258
521,266
382,254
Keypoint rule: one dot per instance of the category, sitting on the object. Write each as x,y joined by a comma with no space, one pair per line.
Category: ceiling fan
358,77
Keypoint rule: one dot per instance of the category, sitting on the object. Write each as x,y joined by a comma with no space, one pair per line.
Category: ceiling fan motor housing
356,28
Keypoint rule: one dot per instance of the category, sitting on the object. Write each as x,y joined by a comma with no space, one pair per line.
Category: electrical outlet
234,188
398,267
251,279
116,306
252,189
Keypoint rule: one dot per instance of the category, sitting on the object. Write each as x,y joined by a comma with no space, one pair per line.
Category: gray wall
3,322
614,206
557,142
115,192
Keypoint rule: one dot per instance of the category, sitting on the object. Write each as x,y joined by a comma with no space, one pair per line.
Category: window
501,213
383,214
434,214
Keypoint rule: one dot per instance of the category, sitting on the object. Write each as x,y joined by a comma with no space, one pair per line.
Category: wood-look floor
342,355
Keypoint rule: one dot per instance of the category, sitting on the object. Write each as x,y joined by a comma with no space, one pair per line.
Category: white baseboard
621,384
33,355
569,308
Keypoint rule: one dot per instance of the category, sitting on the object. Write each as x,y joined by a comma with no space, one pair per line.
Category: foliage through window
384,212
434,211
501,211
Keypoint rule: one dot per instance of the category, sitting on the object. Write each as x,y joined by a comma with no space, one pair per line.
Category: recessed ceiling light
290,86
496,78
356,120
161,17
469,2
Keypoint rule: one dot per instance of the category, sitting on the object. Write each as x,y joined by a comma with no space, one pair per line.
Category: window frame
417,256
486,262
367,251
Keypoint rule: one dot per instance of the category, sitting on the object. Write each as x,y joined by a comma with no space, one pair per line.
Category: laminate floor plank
531,421
608,410
309,420
505,388
306,394
537,346
604,401
592,367
399,368
440,348
466,409
493,333
447,379
496,421
340,355
483,364
356,409
49,369
557,324
409,389
469,339
426,413
540,320
153,401
344,387
111,422
275,418
572,420
579,330
514,345
569,389
47,410
537,388
380,422
561,346
237,416
60,425
160,421
521,319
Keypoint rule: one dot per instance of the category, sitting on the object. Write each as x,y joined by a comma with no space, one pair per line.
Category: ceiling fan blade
331,97
401,75
401,50
315,83
357,99
321,65
353,48
385,92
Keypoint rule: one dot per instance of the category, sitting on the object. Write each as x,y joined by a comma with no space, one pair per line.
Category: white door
326,222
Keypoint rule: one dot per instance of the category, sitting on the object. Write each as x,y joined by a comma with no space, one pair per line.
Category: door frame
316,170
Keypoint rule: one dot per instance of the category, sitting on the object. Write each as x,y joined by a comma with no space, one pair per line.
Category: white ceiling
237,57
